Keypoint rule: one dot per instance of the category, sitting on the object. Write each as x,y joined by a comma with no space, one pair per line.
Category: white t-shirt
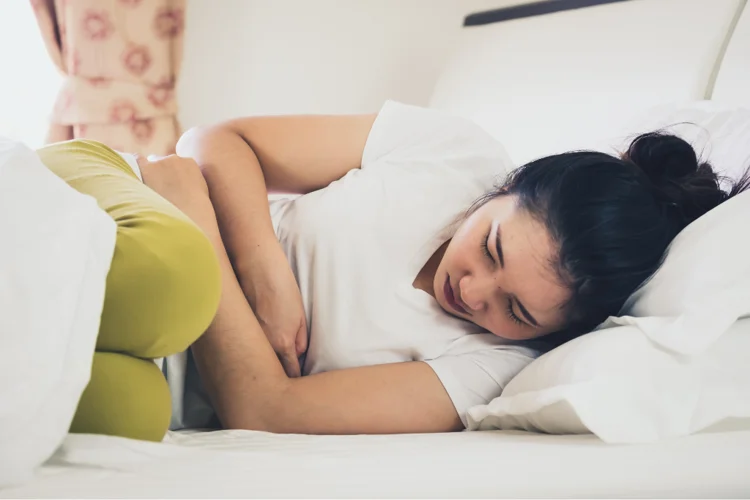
357,245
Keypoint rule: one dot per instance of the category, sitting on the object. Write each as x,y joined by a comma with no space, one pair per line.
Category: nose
474,291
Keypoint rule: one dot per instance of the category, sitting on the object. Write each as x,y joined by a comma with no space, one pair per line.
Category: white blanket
56,246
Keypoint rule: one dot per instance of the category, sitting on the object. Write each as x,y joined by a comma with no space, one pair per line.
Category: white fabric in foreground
57,246
614,383
245,464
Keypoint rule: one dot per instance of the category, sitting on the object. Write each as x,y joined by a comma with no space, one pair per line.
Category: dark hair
612,219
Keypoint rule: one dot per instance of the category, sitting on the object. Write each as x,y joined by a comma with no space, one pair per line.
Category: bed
606,63
469,464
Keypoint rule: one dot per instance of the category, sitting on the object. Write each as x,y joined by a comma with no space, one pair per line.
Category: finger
290,363
301,341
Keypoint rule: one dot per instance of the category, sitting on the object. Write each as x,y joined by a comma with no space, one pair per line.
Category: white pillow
719,133
57,246
704,284
625,385
614,383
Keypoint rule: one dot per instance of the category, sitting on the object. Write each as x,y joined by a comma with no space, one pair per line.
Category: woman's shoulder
432,142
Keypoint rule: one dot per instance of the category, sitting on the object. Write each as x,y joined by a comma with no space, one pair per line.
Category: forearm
236,186
240,370
238,193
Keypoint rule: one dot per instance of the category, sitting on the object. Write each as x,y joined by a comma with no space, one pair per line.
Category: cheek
462,252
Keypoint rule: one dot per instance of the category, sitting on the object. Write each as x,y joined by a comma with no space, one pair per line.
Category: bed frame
530,10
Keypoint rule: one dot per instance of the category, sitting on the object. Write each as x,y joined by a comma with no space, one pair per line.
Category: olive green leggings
162,293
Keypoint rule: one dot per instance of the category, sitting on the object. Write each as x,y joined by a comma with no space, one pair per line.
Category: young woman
402,284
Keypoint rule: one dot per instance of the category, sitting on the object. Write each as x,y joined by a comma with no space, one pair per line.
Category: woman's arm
241,161
248,386
244,159
250,390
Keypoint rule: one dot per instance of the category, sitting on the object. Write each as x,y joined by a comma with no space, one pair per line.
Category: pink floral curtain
120,59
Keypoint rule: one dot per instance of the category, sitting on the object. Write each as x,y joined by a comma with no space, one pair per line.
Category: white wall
314,56
28,79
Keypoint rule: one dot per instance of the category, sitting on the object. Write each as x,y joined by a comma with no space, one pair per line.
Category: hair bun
687,187
663,157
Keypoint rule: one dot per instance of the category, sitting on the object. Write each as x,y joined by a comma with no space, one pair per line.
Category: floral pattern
137,60
168,22
100,81
142,130
96,24
122,112
121,60
160,95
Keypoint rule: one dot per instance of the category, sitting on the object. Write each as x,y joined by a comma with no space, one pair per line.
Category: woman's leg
163,285
126,396
162,292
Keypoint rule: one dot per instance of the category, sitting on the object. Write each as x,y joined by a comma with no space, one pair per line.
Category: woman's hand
274,296
268,282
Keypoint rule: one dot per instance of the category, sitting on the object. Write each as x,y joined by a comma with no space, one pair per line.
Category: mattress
469,464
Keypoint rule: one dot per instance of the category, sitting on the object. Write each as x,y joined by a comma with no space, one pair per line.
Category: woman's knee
163,284
126,397
163,288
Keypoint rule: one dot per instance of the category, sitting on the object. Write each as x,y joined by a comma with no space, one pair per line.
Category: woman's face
496,272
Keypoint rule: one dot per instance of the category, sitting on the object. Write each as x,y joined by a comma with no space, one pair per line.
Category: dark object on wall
530,10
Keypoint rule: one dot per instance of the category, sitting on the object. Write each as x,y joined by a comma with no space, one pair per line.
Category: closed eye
512,315
486,247
530,321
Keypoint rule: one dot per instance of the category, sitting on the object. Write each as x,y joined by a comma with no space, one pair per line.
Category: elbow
190,139
278,413
200,135
249,423
206,144
197,140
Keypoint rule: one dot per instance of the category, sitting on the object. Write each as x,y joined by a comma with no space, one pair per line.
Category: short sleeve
420,136
477,377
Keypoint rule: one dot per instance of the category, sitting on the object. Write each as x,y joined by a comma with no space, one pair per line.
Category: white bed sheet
469,464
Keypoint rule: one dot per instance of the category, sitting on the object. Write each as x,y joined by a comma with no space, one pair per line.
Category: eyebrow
499,246
525,312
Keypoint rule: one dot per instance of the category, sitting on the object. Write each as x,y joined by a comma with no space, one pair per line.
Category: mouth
450,297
